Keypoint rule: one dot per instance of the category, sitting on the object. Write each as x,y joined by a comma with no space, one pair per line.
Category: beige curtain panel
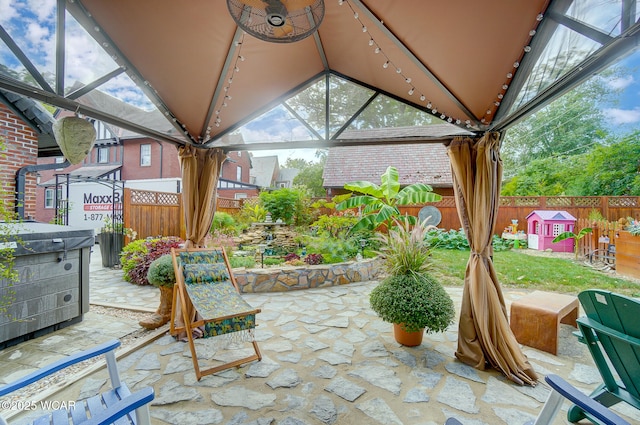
484,335
200,172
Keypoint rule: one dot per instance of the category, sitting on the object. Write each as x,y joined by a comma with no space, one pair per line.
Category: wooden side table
535,319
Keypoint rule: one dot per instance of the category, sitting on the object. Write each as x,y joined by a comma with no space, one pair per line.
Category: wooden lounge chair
612,334
115,405
561,390
210,304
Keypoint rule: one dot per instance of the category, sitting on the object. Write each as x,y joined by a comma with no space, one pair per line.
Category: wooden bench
535,319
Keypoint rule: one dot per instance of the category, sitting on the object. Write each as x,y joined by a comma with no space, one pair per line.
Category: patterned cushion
226,326
198,257
205,273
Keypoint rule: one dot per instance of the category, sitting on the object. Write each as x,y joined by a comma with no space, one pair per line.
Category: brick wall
20,150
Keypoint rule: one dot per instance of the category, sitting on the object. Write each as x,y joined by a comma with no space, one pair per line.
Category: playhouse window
558,228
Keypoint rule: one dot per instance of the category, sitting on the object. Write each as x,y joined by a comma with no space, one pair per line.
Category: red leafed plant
313,259
143,256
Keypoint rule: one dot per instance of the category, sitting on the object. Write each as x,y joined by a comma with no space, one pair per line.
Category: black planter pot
110,246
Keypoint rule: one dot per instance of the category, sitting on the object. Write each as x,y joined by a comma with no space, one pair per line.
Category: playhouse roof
552,215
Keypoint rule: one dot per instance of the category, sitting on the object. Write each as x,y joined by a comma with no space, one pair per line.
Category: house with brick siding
117,156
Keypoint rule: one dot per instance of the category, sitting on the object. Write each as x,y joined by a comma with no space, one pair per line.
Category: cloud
9,11
621,83
623,116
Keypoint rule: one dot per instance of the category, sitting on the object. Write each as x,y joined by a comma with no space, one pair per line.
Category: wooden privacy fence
519,207
160,213
602,236
154,213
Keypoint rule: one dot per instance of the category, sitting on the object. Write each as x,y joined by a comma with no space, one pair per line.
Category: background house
267,174
416,163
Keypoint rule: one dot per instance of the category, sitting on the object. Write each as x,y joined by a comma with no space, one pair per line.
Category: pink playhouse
543,226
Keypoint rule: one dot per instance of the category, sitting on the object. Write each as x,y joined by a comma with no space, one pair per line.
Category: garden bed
289,278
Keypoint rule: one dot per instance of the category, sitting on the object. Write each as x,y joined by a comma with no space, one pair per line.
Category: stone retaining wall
305,277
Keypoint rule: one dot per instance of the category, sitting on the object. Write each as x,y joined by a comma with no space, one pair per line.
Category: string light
389,63
227,97
516,65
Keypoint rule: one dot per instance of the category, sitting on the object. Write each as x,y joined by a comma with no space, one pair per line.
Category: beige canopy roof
480,65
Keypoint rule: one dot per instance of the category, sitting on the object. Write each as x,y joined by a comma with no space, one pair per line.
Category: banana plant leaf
417,193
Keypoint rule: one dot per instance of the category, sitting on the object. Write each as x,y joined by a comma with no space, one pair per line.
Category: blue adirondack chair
561,390
115,405
612,334
210,304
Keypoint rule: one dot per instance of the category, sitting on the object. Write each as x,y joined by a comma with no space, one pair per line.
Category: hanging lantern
75,137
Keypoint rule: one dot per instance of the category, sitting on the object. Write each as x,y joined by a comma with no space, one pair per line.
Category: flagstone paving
327,359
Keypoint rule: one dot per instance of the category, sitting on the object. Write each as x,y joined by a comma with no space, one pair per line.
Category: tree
310,174
571,125
612,170
381,202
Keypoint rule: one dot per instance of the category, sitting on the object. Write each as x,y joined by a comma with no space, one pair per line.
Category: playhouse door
532,241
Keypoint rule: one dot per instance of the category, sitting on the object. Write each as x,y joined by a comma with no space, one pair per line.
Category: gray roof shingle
426,163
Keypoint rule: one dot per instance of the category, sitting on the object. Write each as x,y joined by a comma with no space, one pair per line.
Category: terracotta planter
628,254
409,339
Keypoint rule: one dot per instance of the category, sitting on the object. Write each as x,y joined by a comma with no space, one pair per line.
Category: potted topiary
409,297
161,275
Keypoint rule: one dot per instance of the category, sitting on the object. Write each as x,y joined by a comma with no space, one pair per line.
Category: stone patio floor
327,359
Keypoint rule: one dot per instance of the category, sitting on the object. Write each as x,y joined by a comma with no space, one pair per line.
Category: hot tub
52,290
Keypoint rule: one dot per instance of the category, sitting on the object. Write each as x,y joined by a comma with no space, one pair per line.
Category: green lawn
518,270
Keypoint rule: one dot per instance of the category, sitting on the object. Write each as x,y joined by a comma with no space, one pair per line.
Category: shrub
142,257
247,262
132,254
223,223
416,301
289,205
335,226
161,272
452,239
292,256
313,259
273,261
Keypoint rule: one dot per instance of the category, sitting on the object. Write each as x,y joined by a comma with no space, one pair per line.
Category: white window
239,154
239,195
103,155
239,173
48,198
558,228
145,155
59,160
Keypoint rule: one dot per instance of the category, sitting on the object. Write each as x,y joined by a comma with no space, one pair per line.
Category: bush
313,259
453,239
292,256
223,223
247,262
161,272
335,226
273,261
289,205
417,301
139,258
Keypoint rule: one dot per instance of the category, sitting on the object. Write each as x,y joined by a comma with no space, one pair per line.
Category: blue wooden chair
117,405
210,304
611,331
561,390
